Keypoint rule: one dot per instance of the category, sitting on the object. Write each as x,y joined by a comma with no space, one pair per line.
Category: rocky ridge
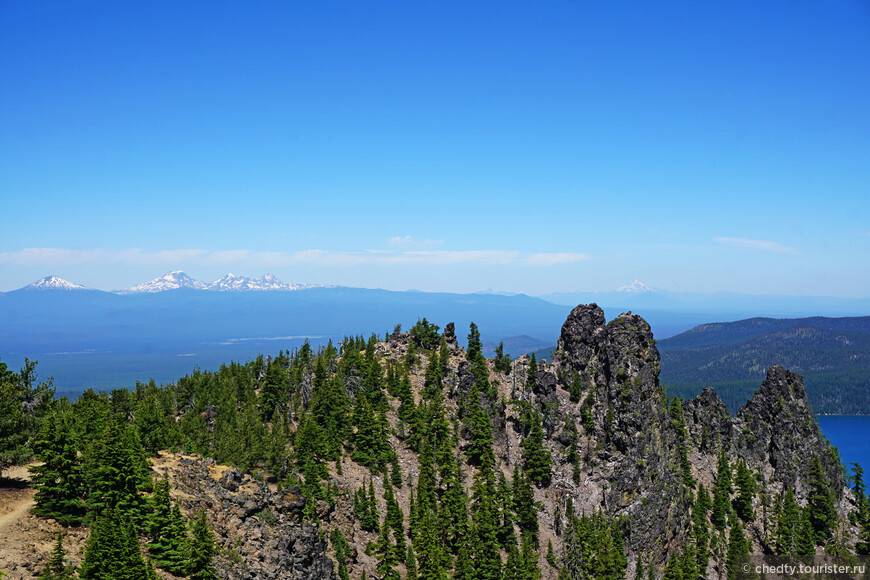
627,446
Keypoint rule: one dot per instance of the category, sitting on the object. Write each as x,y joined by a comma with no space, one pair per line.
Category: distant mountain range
833,354
165,328
177,280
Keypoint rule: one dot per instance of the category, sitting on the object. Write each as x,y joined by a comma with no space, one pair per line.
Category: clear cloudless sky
449,146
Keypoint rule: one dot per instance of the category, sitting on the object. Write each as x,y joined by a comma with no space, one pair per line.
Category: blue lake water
851,436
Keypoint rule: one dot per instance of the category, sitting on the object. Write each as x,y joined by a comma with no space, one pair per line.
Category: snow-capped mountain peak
265,282
171,281
178,279
231,282
54,283
635,287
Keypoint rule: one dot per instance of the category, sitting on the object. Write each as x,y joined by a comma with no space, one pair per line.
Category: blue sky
451,146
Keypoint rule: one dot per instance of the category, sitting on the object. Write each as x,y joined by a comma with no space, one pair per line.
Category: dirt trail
25,540
16,499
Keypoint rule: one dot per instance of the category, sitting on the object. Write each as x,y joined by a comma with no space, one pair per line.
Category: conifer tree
788,522
116,465
537,461
202,550
59,480
862,545
700,529
529,557
524,504
502,360
575,388
722,493
56,568
678,422
463,568
368,439
330,407
475,357
738,549
820,503
745,491
112,550
395,520
531,373
342,552
410,565
485,548
452,510
166,530
551,554
386,551
431,559
513,567
479,448
504,506
23,404
805,539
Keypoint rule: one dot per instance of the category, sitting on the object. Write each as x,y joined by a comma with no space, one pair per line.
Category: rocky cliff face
260,532
625,439
631,465
632,459
776,428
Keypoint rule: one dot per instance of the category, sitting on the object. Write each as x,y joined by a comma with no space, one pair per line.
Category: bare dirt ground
25,540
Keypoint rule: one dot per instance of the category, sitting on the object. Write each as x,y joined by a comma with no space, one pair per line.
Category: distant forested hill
833,354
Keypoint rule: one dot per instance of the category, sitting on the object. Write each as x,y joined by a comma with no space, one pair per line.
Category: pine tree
575,388
820,503
788,522
56,569
112,550
738,549
531,373
504,506
673,570
678,422
59,480
330,407
386,551
463,569
551,554
202,550
452,509
700,529
479,448
529,557
593,547
366,508
485,544
23,404
745,492
502,361
722,493
395,472
524,504
513,567
474,355
116,468
805,539
411,565
342,552
166,530
395,520
432,561
862,545
537,461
